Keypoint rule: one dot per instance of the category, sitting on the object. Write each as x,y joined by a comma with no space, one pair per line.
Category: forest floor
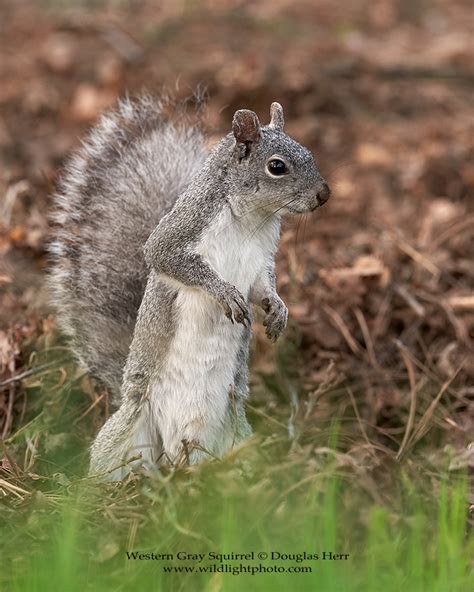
364,410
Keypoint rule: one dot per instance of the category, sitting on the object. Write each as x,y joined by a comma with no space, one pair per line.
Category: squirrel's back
114,191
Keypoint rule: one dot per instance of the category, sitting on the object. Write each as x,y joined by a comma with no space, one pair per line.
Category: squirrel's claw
276,317
236,308
242,315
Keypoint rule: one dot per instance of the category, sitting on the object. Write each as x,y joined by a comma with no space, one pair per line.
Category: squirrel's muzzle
323,194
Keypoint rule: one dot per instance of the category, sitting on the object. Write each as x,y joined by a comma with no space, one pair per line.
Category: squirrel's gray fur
113,192
160,241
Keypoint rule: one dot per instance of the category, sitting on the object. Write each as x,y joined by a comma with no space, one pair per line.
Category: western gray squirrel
159,251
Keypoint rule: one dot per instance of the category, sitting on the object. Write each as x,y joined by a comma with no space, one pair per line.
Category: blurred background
379,283
368,397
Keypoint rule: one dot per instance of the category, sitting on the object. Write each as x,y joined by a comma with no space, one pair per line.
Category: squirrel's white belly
191,398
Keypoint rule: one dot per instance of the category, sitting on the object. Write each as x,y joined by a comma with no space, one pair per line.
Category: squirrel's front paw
235,306
276,317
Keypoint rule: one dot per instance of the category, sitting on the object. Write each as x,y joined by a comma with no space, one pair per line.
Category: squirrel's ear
246,126
277,120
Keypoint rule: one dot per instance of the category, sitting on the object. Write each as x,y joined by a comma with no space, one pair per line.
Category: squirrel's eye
277,167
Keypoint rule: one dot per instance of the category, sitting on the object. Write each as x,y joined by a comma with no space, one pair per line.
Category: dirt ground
379,283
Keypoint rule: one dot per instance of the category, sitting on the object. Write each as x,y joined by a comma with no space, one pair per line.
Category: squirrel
160,249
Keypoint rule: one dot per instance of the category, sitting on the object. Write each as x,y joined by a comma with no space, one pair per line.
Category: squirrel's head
271,171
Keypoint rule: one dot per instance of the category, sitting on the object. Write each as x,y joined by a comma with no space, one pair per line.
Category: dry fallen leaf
373,155
366,266
89,101
461,302
8,350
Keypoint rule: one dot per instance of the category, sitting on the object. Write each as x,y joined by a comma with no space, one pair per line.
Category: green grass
405,525
75,537
77,546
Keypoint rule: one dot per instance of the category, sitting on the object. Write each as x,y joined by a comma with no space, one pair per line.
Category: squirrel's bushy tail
126,176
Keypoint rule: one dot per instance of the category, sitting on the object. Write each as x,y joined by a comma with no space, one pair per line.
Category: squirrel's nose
324,194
